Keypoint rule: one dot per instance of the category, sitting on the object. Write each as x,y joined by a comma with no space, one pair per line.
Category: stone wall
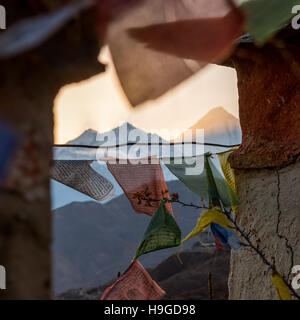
270,210
267,166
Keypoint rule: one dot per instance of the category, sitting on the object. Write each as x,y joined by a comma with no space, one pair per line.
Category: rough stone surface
267,165
28,86
270,210
269,95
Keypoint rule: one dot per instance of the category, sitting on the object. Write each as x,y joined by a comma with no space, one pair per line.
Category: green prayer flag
218,188
266,17
207,182
195,182
161,233
213,193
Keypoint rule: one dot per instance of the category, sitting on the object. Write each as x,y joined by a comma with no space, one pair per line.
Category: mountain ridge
97,137
219,125
185,280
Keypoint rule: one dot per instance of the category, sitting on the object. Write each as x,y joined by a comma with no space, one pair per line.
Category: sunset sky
99,103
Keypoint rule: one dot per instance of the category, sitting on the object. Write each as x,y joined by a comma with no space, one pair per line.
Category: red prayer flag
218,244
134,284
141,181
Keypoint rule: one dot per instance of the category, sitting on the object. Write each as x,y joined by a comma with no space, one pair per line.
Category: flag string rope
144,144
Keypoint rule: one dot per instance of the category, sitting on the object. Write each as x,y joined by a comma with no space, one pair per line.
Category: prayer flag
195,182
79,175
226,236
265,18
205,220
226,168
213,192
229,176
162,232
134,284
218,243
281,288
141,181
155,45
220,192
208,183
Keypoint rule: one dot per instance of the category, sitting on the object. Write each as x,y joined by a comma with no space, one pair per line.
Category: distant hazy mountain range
219,125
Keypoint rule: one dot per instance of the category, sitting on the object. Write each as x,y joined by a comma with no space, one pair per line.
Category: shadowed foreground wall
28,86
267,169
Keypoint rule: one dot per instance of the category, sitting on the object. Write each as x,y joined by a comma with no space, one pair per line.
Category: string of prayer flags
229,176
207,184
79,175
226,236
141,179
219,191
162,232
206,219
156,45
281,288
8,143
134,284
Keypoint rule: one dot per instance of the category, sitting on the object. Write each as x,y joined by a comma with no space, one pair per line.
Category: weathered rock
267,164
270,211
269,95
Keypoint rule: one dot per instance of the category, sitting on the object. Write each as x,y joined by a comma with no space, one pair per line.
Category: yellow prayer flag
229,175
281,288
226,168
208,217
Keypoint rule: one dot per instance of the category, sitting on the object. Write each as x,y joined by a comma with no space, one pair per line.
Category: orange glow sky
99,103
